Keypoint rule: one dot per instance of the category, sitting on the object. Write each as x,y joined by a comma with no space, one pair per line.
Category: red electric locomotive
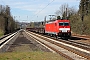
59,28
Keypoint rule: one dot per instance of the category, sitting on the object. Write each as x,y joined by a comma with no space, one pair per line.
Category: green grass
37,55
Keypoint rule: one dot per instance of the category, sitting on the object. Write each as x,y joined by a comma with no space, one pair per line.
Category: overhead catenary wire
43,8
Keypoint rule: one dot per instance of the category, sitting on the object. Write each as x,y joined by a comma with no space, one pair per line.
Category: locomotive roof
57,21
62,20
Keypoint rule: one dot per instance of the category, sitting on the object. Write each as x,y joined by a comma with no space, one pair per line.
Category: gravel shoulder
24,43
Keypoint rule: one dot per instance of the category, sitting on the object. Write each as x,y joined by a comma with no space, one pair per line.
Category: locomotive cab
64,28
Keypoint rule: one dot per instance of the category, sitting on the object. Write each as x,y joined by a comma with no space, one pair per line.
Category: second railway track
7,40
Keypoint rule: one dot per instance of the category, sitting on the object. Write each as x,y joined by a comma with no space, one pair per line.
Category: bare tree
65,11
61,10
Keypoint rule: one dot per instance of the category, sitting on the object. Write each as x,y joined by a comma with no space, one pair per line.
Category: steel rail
58,44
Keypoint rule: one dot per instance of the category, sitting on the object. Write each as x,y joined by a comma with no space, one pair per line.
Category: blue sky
35,10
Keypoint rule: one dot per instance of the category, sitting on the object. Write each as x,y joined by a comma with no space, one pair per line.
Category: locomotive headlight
68,30
60,30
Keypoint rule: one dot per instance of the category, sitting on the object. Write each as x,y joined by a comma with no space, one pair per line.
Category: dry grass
37,55
1,32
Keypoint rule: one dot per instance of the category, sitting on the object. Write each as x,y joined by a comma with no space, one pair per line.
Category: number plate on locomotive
64,30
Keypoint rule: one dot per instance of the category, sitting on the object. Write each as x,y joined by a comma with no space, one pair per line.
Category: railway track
72,51
80,45
7,40
73,42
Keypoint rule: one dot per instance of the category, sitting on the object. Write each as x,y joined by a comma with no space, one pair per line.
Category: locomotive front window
66,24
60,24
63,24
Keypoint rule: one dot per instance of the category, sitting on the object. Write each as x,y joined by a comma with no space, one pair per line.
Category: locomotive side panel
51,28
